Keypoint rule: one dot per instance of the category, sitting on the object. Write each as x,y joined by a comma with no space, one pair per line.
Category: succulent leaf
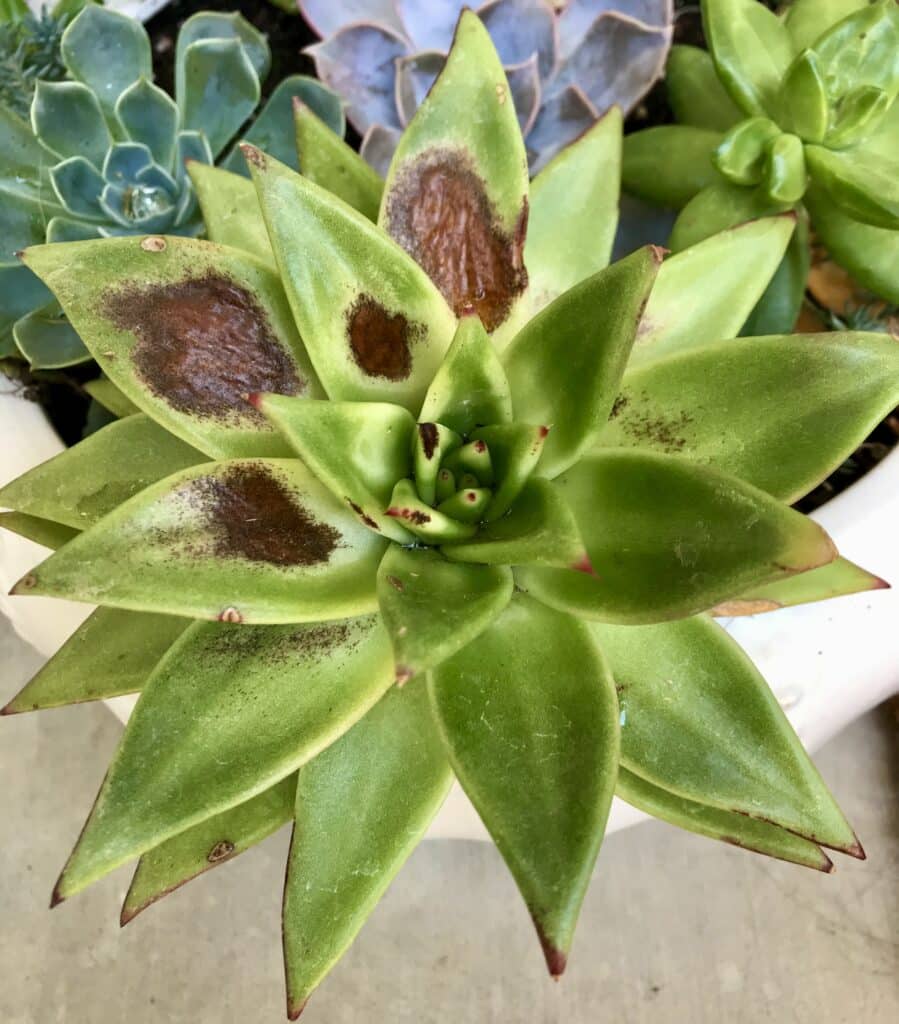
375,325
565,365
686,169
520,28
67,118
866,189
42,531
149,116
192,748
206,26
47,340
703,724
539,758
695,92
340,864
111,653
256,540
108,395
515,450
562,119
326,16
433,608
143,307
231,210
667,538
208,844
808,19
717,207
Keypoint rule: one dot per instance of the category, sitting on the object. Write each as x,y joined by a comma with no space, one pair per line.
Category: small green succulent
419,432
785,112
105,150
29,50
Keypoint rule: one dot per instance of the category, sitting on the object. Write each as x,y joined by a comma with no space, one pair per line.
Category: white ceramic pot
828,663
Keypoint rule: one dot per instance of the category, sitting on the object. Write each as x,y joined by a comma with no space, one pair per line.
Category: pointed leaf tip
584,565
254,156
294,1011
556,959
56,896
856,850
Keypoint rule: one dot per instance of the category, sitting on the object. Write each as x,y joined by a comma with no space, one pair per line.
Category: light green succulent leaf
358,450
726,826
861,116
108,395
744,150
777,311
42,531
751,49
107,51
150,116
515,450
667,538
24,214
870,254
221,90
328,161
838,579
565,365
700,722
273,130
861,50
718,207
186,329
432,525
67,119
780,412
86,482
256,540
111,653
574,212
695,92
21,153
208,844
470,389
735,267
539,529
433,443
456,197
47,341
530,719
231,210
864,187
669,164
376,327
785,178
362,807
433,608
803,99
806,20
195,746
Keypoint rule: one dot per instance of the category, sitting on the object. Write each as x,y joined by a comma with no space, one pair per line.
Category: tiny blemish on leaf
501,93
403,675
153,243
360,512
252,155
231,615
396,583
222,849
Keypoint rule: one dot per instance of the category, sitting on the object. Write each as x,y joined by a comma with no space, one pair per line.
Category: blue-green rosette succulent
106,150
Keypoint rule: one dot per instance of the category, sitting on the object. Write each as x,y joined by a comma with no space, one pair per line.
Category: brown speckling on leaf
361,513
204,344
440,213
621,403
429,438
665,432
381,341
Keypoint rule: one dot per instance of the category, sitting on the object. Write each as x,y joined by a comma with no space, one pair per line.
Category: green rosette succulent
104,153
421,488
793,111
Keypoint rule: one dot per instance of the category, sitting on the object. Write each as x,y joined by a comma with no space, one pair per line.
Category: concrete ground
675,929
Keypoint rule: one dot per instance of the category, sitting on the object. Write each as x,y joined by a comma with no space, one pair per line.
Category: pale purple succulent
567,61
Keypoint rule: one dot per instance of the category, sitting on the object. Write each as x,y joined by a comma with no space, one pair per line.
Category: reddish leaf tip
828,866
584,565
8,709
252,155
128,914
544,432
658,252
556,959
295,1009
403,675
881,584
57,897
856,850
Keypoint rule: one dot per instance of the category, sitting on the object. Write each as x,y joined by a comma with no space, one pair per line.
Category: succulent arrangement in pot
785,111
421,488
566,61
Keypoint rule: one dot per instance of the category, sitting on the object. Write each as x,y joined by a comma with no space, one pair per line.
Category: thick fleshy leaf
457,191
79,187
781,412
734,266
24,213
362,807
112,653
107,51
530,720
149,115
751,49
20,151
668,538
195,746
42,531
214,25
670,164
212,842
565,365
695,92
328,161
433,442
577,16
327,16
860,52
186,329
84,483
520,28
256,540
574,212
515,450
865,188
433,608
562,120
108,395
47,340
713,823
429,23
524,85
415,75
808,19
20,292
67,119
376,327
432,525
701,722
781,303
378,146
470,388
718,207
356,449
231,210
359,63
539,529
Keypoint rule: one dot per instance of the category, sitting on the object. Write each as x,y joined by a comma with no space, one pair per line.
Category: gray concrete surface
675,930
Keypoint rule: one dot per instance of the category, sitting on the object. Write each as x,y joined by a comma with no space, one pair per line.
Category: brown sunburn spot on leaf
360,512
381,341
440,213
429,438
221,851
256,518
203,344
